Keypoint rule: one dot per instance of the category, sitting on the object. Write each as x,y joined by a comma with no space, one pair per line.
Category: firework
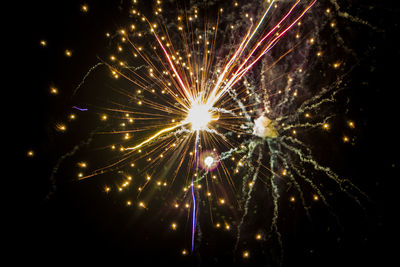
205,103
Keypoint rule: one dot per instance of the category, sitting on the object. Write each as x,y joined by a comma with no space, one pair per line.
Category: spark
80,109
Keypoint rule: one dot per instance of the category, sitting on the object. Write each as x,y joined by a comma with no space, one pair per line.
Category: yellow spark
84,8
43,43
30,153
82,164
246,254
61,127
155,136
53,90
68,53
174,226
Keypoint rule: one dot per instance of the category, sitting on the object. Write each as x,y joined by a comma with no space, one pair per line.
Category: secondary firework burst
205,99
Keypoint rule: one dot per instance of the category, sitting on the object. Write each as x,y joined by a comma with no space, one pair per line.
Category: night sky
61,220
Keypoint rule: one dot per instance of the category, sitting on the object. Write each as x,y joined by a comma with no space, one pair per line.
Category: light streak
165,130
80,109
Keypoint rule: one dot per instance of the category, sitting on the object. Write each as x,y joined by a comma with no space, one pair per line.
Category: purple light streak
81,109
193,194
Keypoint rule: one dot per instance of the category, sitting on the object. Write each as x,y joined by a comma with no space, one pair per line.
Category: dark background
80,224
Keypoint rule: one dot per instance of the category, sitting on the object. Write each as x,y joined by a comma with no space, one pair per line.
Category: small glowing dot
184,252
325,126
351,124
174,226
84,8
209,161
30,153
315,198
68,53
61,127
246,254
346,139
82,164
128,203
53,90
258,236
292,199
107,189
43,43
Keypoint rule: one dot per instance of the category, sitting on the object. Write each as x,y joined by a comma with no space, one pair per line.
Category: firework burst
214,108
